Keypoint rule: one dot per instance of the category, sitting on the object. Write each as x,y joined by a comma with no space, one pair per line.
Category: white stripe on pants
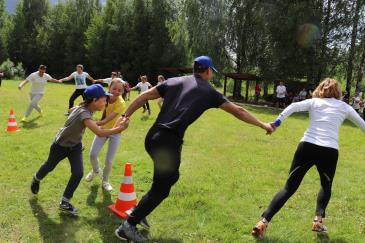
98,143
34,99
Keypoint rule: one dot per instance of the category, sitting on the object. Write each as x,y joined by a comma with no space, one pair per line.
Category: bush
11,71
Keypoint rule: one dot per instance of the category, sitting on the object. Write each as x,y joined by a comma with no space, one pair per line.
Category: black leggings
307,155
58,153
74,96
164,148
146,106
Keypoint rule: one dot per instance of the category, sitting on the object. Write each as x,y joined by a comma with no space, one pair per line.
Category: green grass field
229,173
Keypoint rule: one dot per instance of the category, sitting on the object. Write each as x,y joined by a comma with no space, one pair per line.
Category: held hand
123,124
269,128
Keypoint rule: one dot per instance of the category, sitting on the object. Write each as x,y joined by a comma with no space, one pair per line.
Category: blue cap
95,91
205,62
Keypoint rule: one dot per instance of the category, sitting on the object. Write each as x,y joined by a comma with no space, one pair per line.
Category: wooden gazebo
238,78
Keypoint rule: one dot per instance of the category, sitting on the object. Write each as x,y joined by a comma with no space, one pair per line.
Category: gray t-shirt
74,128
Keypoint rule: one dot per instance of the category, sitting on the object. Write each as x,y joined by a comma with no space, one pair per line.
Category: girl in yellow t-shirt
115,107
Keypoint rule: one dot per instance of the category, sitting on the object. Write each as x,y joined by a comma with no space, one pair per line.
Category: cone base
120,214
17,130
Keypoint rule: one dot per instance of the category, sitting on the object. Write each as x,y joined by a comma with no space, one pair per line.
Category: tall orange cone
12,125
127,196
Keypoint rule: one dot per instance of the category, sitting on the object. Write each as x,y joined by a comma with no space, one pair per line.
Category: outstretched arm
91,79
122,125
242,114
67,78
294,107
141,99
22,84
356,119
108,118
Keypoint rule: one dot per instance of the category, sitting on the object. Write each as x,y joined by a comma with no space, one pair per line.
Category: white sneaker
91,176
107,187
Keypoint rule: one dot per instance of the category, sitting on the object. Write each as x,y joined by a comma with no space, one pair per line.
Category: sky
11,4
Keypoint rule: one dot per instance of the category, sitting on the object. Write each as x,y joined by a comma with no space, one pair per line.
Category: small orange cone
12,125
127,196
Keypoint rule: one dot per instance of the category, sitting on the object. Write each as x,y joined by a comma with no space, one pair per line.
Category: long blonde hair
328,88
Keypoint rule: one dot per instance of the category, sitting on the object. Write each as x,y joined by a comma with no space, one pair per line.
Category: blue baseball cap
95,91
205,62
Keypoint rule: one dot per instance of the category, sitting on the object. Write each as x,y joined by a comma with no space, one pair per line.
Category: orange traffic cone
12,125
127,196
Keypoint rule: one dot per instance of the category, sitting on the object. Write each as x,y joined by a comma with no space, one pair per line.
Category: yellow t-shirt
118,107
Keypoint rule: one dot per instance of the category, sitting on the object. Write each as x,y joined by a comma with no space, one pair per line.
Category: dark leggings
307,155
164,148
58,153
146,106
74,96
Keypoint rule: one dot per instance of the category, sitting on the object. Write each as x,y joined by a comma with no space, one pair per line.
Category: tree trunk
352,47
361,69
322,60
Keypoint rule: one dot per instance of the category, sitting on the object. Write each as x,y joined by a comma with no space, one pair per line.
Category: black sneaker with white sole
144,223
34,187
129,232
68,208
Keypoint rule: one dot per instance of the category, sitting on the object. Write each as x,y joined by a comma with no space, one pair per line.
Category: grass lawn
229,173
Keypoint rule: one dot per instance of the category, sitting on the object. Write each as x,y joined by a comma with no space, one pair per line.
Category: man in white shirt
38,80
80,81
281,94
108,80
303,94
143,86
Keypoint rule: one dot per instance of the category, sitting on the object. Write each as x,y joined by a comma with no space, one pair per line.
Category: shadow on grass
319,238
50,230
106,222
31,123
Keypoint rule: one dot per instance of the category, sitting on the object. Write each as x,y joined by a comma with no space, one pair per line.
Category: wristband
277,123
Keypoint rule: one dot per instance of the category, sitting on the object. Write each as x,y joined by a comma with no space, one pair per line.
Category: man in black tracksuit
185,100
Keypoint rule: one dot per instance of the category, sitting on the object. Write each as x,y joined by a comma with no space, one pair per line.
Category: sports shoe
318,225
260,228
91,176
68,208
24,119
144,223
34,187
66,113
41,113
107,187
129,232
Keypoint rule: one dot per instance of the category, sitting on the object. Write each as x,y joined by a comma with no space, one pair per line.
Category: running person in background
68,143
80,81
108,80
319,147
160,79
356,102
143,86
281,94
38,80
115,107
186,99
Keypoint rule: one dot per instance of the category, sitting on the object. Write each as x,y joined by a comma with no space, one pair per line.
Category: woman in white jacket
319,147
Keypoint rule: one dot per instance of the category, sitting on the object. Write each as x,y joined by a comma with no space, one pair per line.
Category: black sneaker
144,223
34,187
68,208
129,232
